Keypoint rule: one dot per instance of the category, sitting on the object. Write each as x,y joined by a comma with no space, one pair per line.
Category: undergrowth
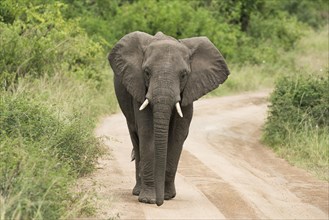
46,142
54,84
297,127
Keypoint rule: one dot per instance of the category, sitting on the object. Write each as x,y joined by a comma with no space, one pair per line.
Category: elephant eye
183,74
147,73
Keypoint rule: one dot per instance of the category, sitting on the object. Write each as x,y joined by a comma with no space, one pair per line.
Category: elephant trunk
162,110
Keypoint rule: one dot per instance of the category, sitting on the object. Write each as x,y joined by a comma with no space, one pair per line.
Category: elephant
156,80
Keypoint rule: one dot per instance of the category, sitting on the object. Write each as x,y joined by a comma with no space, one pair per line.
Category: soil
224,171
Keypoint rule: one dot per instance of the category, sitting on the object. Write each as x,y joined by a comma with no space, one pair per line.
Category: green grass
66,95
307,147
311,53
297,127
46,142
34,184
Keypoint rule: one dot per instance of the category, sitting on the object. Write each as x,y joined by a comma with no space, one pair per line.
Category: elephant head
166,73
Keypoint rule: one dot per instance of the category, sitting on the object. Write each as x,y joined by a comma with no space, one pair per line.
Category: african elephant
156,80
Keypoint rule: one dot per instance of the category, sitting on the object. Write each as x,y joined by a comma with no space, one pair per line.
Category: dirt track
224,171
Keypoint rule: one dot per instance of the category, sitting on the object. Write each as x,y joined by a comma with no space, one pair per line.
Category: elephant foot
137,190
170,190
147,195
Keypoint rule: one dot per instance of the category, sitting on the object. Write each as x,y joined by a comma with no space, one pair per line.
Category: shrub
69,139
53,88
246,31
297,101
34,184
40,42
279,30
298,123
175,18
34,181
262,29
42,152
314,13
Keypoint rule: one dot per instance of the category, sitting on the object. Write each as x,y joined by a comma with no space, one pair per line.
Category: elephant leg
126,104
146,150
135,142
179,128
147,193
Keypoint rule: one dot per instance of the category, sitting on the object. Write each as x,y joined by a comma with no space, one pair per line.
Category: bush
40,42
175,18
42,153
314,13
246,31
297,101
298,122
69,139
34,184
280,30
53,88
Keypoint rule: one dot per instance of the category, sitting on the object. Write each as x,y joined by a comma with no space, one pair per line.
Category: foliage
314,13
174,18
253,28
262,36
47,133
260,30
42,43
69,140
33,174
53,87
299,118
297,101
34,184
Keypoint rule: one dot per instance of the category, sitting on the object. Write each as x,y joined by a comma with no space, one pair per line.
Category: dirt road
224,171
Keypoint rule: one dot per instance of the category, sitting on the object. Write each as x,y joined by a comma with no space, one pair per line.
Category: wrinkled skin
165,71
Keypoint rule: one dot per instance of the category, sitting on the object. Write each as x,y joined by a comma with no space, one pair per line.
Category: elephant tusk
145,103
179,110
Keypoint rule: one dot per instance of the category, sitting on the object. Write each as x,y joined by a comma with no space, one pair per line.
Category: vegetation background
55,83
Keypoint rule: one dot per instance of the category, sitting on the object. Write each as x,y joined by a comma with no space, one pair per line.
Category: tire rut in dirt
221,194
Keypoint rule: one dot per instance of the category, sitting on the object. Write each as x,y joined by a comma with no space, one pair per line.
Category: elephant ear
126,61
208,69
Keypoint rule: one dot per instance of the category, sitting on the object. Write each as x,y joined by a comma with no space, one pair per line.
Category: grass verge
297,126
46,142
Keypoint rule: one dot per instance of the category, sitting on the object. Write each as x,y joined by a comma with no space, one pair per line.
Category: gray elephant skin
156,80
